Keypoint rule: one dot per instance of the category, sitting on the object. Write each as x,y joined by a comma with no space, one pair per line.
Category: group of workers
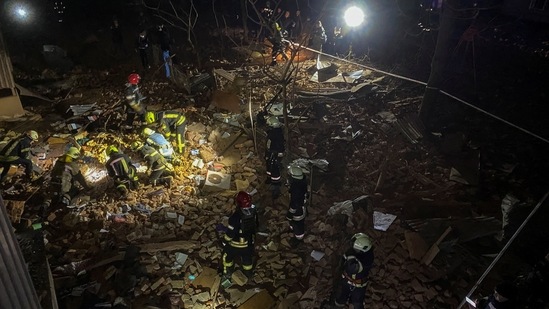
239,238
67,181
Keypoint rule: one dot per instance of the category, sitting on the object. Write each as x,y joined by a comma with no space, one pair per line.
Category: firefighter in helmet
16,152
238,240
171,124
355,267
297,210
158,166
273,155
134,98
159,142
120,168
65,174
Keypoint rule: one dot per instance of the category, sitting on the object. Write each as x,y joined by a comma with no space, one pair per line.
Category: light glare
21,12
354,16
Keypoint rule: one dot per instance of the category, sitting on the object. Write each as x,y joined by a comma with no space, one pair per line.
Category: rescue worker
156,164
274,178
275,138
120,167
273,154
133,100
142,45
238,241
172,124
356,265
159,142
502,298
276,40
64,176
16,152
297,210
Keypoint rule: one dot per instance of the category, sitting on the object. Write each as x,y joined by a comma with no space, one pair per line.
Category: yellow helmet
150,117
33,135
148,131
73,152
136,145
111,149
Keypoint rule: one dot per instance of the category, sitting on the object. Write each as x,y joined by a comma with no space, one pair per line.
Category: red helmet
134,79
243,199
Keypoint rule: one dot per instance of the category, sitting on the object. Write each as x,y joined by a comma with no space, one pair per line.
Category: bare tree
182,15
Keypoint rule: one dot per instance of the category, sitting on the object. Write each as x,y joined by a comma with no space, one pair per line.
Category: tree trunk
244,13
445,41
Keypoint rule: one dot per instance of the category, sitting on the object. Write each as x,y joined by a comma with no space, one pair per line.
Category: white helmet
273,122
361,242
295,171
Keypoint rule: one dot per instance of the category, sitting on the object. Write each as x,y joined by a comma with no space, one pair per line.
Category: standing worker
64,176
355,265
274,147
120,167
297,210
165,42
239,238
276,40
16,152
172,124
156,163
133,100
142,45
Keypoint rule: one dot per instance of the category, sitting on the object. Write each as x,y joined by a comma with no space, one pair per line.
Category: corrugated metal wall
6,78
16,288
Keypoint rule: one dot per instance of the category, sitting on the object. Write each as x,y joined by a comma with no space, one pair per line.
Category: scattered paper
382,221
317,255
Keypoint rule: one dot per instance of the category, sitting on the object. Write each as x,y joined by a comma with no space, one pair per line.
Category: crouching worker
159,142
16,152
161,170
65,175
120,168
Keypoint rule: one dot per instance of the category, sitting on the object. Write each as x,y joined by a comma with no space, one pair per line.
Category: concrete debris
174,229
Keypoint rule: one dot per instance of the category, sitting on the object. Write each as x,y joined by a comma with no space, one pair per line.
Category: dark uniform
297,210
352,285
275,142
119,166
158,166
16,152
64,175
134,105
173,124
239,240
142,45
274,176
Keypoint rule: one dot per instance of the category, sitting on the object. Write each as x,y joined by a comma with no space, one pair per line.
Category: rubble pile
162,244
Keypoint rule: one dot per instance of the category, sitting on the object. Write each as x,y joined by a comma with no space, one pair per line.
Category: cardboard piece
261,300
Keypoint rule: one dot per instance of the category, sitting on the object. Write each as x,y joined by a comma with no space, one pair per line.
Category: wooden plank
417,247
168,246
434,250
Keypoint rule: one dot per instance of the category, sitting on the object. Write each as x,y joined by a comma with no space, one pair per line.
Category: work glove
280,154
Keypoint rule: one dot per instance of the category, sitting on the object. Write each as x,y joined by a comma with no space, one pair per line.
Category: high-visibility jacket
170,120
120,166
134,98
155,161
236,235
15,149
65,172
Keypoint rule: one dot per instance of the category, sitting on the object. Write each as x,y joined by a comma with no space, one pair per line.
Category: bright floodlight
21,12
354,16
